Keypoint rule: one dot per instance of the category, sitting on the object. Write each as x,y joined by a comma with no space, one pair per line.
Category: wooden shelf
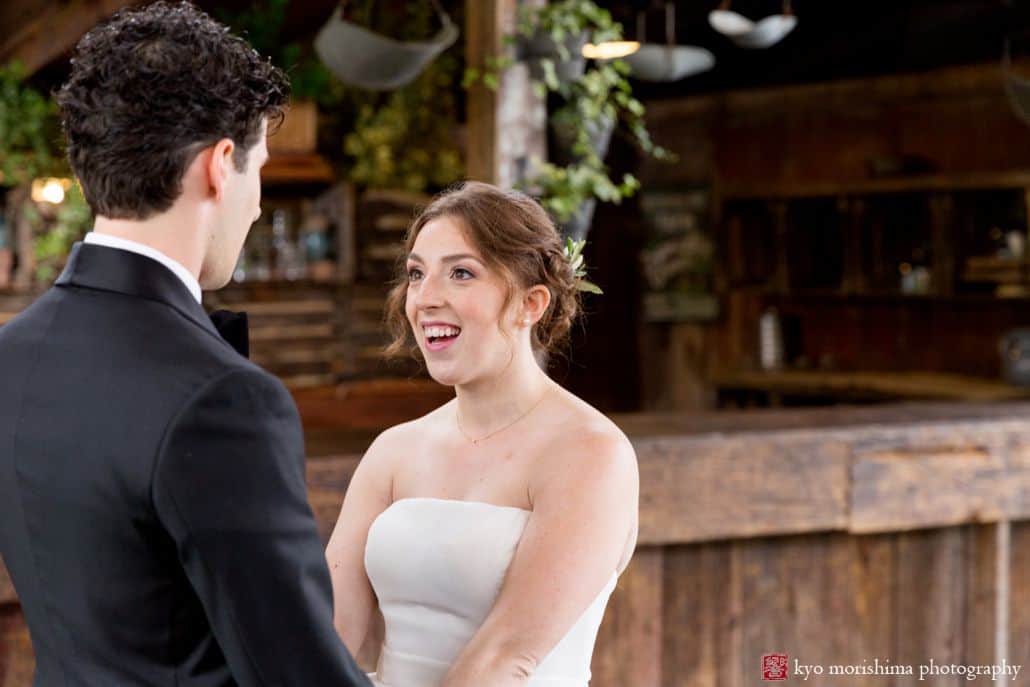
887,296
1017,179
297,168
992,270
913,385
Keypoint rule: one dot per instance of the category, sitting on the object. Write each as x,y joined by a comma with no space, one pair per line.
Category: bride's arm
584,514
368,494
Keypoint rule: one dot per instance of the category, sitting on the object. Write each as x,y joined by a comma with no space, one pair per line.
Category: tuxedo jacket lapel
119,271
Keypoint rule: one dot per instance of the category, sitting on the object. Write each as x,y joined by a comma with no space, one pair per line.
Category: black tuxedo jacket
153,508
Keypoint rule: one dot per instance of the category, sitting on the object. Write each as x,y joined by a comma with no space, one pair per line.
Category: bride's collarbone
497,475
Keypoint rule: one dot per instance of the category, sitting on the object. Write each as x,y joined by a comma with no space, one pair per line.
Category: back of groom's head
148,91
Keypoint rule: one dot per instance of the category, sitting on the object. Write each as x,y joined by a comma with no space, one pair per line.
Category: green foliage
408,140
74,218
566,18
29,130
261,23
574,254
403,139
602,95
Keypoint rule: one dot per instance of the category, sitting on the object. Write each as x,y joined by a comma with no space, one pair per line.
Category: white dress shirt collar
181,272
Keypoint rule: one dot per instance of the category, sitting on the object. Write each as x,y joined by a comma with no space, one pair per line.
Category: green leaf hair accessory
574,254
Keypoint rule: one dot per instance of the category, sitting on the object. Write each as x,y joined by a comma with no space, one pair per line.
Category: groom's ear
219,166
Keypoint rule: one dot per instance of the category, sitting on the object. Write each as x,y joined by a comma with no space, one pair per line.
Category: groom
153,510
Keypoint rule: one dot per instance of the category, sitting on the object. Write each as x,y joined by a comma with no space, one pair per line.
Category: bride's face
454,306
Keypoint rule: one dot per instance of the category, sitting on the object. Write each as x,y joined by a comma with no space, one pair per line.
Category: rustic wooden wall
840,538
959,118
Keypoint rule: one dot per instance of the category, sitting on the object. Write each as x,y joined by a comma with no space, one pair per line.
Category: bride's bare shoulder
589,442
412,433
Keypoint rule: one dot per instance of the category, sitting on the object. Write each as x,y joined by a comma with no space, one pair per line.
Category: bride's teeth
437,332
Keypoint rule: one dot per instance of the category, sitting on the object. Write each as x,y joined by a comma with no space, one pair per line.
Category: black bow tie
233,328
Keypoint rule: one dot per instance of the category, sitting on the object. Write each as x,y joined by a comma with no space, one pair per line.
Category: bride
492,530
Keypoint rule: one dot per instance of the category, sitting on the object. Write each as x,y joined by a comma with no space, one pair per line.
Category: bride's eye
414,274
462,274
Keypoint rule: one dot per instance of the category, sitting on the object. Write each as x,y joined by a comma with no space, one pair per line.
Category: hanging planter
578,226
1017,88
565,127
574,178
360,57
542,52
668,62
750,34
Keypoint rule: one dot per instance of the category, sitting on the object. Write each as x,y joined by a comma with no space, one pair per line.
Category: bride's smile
458,306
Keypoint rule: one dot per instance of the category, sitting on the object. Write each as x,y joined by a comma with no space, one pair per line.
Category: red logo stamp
774,667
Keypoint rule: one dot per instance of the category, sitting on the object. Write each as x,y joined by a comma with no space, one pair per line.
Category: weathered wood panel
327,483
701,614
17,661
630,639
894,490
695,490
7,593
1018,629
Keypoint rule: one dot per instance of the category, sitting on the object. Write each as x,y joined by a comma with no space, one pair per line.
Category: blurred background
810,223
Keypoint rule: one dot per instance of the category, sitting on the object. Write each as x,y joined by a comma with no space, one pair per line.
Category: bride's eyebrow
414,257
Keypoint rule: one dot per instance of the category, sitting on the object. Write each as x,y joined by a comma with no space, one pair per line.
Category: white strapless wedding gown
437,566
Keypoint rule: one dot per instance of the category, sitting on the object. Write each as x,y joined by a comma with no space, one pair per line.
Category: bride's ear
534,304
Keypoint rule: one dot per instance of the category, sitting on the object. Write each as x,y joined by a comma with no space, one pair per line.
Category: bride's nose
430,293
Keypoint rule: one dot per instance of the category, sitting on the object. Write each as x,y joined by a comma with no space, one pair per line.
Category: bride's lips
440,343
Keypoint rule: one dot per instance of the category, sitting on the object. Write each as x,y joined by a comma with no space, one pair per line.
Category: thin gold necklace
476,442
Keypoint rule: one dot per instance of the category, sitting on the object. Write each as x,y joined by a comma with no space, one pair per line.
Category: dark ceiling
834,39
838,39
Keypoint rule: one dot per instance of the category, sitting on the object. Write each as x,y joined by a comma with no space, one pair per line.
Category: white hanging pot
1016,87
749,34
654,62
366,59
668,62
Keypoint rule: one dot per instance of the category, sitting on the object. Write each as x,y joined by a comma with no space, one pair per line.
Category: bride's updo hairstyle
514,236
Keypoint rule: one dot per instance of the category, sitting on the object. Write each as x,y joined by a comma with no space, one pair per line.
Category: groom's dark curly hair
148,91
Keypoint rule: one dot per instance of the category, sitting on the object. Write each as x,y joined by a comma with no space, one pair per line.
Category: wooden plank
922,385
288,332
711,489
483,38
909,489
7,593
931,588
507,127
698,615
824,600
928,182
984,560
1017,486
306,307
297,168
54,29
1018,650
327,483
288,356
961,81
17,660
628,650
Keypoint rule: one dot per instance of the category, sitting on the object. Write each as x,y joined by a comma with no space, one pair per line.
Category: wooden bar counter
878,538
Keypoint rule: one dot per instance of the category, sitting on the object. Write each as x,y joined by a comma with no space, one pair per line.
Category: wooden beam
966,80
54,30
506,127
